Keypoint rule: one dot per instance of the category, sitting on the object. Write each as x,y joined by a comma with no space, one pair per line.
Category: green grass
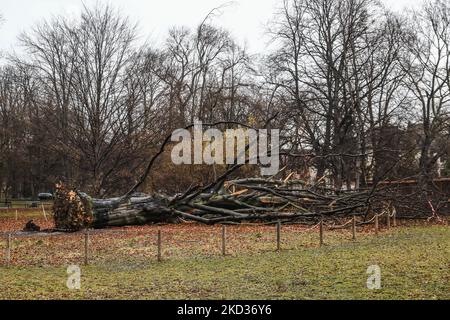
414,262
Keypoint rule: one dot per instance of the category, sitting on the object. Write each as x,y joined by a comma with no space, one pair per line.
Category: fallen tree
221,201
252,199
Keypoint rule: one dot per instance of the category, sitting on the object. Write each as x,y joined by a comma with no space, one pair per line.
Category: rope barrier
341,226
58,232
373,218
62,232
308,229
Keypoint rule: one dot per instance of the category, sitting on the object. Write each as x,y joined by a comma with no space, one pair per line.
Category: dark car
45,196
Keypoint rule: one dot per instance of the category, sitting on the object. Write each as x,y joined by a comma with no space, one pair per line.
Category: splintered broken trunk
253,199
76,210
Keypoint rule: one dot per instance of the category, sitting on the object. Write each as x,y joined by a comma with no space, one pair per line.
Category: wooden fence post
8,249
321,232
354,228
376,224
224,239
159,245
278,235
388,221
86,247
394,217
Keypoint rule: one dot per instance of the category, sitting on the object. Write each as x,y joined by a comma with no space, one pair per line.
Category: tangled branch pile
253,199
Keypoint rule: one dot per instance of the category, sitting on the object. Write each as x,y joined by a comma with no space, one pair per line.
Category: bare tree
82,66
333,59
50,51
426,61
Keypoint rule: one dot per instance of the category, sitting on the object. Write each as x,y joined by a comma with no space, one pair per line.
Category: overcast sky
245,19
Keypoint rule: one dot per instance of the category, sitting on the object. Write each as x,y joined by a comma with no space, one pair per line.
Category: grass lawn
414,262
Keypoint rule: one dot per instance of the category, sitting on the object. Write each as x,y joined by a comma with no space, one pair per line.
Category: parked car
45,196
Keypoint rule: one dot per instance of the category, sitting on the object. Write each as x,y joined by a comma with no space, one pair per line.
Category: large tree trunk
76,210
